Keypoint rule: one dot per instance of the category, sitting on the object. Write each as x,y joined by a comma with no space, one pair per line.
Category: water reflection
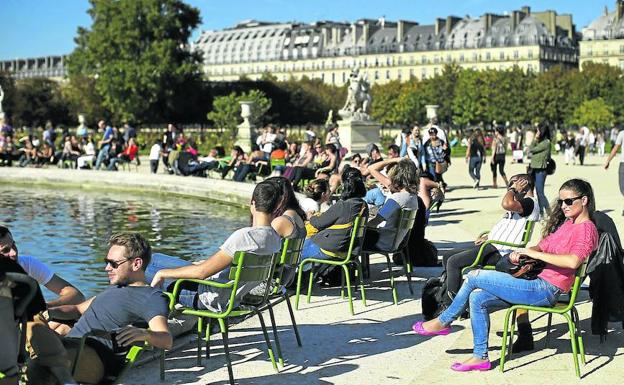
68,228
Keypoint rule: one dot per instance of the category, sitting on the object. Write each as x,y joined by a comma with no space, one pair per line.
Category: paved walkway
376,345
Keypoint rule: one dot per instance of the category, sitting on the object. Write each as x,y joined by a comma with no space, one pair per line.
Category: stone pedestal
356,134
432,111
245,130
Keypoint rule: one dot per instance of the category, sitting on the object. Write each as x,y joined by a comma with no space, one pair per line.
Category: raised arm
69,312
67,293
217,262
375,170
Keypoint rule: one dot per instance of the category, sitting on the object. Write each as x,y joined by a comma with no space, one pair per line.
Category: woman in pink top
570,237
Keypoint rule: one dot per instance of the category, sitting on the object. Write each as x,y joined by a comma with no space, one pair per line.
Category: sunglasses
116,264
568,201
7,249
433,132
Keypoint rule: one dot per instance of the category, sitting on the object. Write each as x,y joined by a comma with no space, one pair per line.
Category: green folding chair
245,267
275,162
563,308
407,217
526,237
343,260
285,273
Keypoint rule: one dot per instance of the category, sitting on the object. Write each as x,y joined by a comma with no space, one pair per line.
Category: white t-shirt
511,227
155,152
620,141
36,269
309,204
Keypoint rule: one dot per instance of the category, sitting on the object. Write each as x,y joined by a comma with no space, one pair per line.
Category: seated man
520,206
40,272
128,301
259,238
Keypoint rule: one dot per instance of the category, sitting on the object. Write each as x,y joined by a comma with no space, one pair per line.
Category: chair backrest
407,217
289,260
250,267
528,232
579,277
357,235
277,162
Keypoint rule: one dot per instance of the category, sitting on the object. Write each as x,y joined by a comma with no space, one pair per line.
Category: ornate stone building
52,67
603,38
386,50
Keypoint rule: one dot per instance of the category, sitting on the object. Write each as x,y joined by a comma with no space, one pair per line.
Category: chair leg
548,326
342,286
571,328
504,342
292,319
278,347
298,290
407,267
392,287
310,281
267,340
207,338
513,330
579,336
226,348
360,276
345,270
200,327
162,365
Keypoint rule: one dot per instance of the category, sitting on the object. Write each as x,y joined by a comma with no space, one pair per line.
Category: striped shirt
511,227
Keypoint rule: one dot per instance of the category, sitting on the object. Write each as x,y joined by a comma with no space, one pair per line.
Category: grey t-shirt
259,240
391,211
120,306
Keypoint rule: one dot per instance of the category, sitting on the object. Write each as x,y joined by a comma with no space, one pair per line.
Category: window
475,57
423,73
423,59
501,56
488,56
376,75
530,68
622,64
530,54
622,49
435,71
461,58
388,75
516,54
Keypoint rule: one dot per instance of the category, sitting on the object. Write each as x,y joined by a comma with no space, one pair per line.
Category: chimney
515,20
325,34
619,9
439,24
552,23
365,33
400,31
488,22
451,21
336,35
526,10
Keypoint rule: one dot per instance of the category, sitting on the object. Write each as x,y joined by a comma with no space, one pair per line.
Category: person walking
475,156
499,151
540,155
619,141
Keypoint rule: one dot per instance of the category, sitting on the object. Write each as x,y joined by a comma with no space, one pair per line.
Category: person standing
540,155
583,141
619,140
499,150
475,156
105,143
570,148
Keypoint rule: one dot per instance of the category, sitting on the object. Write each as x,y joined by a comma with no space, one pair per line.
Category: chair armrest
477,260
176,288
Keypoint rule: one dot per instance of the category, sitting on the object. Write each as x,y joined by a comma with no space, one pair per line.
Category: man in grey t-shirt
260,239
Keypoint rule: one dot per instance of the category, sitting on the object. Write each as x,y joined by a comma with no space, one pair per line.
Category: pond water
69,228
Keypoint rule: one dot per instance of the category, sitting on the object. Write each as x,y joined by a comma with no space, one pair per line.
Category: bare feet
433,325
473,360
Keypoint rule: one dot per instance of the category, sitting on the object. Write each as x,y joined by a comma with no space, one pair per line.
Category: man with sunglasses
40,272
128,301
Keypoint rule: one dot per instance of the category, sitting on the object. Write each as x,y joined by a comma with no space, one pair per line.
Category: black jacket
606,270
341,212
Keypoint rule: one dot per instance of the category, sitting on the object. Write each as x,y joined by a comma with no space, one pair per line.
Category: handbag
526,268
551,166
441,167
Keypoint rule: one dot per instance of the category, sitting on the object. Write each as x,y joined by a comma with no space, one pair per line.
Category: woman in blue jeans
540,155
571,237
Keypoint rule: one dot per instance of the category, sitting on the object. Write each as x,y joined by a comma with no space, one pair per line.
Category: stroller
16,292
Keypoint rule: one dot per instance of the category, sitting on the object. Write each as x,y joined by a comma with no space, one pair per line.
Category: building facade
603,38
386,51
52,67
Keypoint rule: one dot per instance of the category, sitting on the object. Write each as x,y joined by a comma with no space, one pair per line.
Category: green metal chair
275,162
245,267
526,237
285,273
343,260
407,217
563,308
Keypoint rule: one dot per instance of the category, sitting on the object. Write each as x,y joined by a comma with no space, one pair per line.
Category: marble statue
357,106
1,99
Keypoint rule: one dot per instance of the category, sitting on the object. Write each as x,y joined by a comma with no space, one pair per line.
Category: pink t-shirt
578,239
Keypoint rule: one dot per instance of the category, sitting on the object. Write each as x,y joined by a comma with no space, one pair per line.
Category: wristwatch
513,190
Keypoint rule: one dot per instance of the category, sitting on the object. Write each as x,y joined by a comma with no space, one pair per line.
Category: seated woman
71,150
238,157
289,216
570,236
305,168
88,158
329,164
259,238
402,181
126,156
316,193
328,238
44,155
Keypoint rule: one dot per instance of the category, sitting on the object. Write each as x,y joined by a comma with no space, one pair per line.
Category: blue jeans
102,155
311,250
486,290
474,167
540,182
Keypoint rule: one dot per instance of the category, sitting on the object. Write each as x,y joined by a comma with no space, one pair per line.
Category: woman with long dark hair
540,155
570,236
475,156
289,217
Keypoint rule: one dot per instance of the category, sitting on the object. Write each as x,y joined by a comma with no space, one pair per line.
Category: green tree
226,109
470,103
551,96
385,102
10,93
594,113
136,51
38,100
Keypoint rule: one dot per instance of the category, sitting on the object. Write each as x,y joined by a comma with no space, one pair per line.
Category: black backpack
432,296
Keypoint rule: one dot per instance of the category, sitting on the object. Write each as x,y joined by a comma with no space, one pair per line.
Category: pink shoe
419,329
481,366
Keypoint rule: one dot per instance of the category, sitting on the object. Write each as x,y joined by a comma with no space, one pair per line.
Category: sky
32,28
